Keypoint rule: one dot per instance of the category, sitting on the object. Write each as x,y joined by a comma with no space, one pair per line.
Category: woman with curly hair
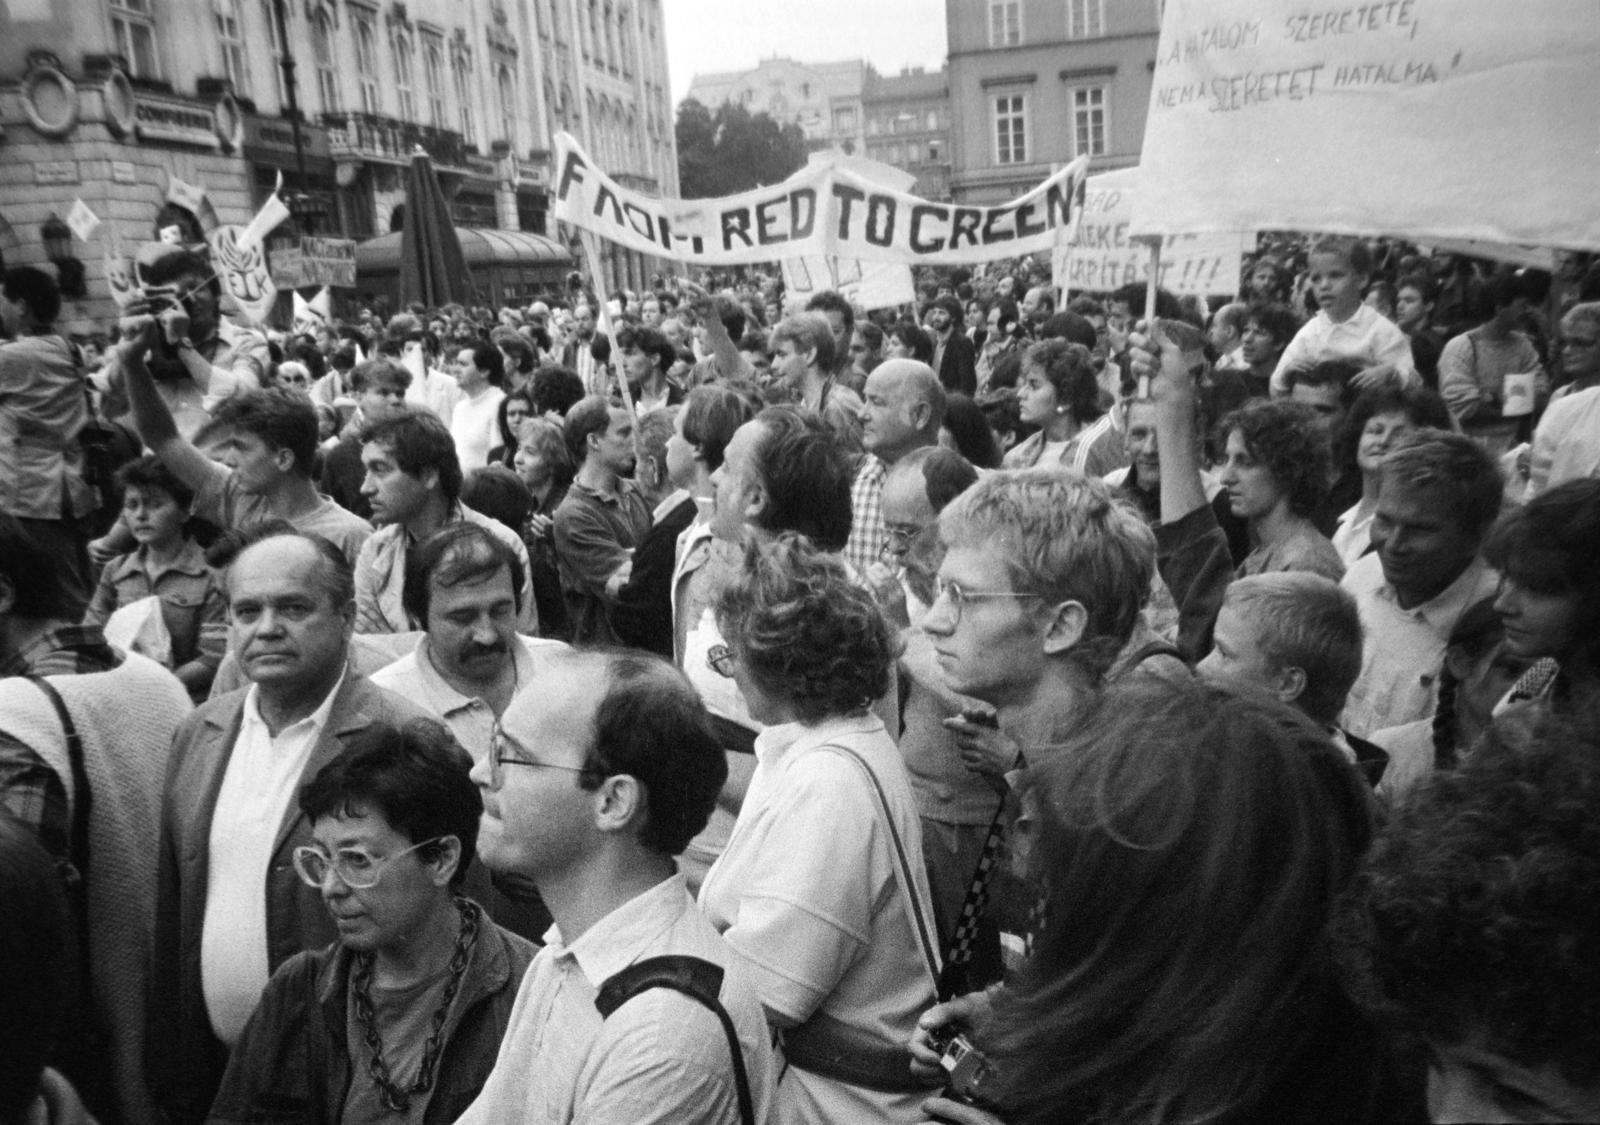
1187,845
1060,393
1474,933
821,886
1275,470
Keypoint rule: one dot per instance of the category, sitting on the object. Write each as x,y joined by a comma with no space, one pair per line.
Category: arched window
367,62
322,57
404,78
508,105
461,64
433,75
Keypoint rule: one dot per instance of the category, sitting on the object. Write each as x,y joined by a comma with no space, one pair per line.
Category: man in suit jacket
954,356
230,907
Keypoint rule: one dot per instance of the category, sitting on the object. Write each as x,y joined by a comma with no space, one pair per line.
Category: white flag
184,194
272,212
83,221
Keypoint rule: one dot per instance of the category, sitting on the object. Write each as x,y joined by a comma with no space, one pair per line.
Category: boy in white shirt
1346,328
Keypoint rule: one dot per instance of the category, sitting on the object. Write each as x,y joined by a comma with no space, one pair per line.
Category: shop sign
176,123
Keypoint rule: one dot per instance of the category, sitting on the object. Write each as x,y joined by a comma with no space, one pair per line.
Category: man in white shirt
1441,493
413,483
230,908
594,783
475,424
1566,444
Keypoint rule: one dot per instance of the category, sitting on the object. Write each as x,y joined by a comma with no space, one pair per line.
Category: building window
913,153
133,30
1010,129
894,154
1089,120
1005,23
872,126
1086,19
461,64
322,56
230,33
433,75
933,120
367,63
404,79
275,46
844,120
508,105
933,152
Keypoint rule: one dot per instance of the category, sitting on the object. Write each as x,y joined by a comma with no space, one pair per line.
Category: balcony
367,136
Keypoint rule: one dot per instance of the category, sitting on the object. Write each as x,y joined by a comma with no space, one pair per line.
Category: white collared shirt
661,1057
1404,648
469,718
258,787
1367,338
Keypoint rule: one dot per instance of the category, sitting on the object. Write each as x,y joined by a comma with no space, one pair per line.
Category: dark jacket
642,615
958,371
292,1064
184,1061
343,475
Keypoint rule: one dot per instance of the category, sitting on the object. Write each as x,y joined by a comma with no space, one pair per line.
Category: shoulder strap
82,798
908,886
697,979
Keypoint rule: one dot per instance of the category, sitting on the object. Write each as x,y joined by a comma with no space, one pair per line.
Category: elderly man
413,484
593,785
1566,445
902,410
230,908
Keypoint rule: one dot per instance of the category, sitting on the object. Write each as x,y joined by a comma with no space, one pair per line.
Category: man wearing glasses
1566,445
594,783
403,1015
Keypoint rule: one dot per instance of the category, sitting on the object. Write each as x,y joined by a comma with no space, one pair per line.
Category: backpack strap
82,798
697,979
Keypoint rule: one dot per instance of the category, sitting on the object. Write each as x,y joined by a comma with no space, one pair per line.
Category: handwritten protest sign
821,209
1101,256
869,285
243,273
1470,119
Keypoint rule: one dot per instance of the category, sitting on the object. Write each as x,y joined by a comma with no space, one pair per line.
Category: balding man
902,410
230,908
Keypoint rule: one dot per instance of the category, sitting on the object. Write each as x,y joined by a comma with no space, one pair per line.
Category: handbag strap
698,979
82,798
903,874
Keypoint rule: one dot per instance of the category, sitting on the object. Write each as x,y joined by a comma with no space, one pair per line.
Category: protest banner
824,208
1101,255
243,273
314,261
869,285
1422,118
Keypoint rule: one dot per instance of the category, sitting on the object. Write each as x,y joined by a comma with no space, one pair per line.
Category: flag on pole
82,220
272,212
186,195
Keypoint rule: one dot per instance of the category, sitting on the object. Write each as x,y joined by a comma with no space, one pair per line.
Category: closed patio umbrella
432,267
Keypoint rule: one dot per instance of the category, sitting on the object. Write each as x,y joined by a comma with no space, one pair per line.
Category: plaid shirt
30,790
867,534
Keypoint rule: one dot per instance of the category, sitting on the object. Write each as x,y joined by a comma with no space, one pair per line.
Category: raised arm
153,420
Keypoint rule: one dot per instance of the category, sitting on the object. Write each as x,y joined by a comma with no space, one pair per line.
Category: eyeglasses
959,597
898,539
720,660
498,760
356,868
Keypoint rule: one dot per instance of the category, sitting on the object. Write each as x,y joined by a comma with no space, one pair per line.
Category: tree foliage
732,150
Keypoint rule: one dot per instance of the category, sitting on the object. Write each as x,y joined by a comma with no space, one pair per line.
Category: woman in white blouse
821,886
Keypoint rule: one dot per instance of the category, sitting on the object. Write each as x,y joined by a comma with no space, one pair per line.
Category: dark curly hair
1070,369
805,632
1289,441
1476,913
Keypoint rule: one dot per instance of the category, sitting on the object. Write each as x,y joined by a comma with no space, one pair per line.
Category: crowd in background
717,704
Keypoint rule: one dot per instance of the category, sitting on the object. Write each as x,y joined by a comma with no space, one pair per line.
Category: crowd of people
709,706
